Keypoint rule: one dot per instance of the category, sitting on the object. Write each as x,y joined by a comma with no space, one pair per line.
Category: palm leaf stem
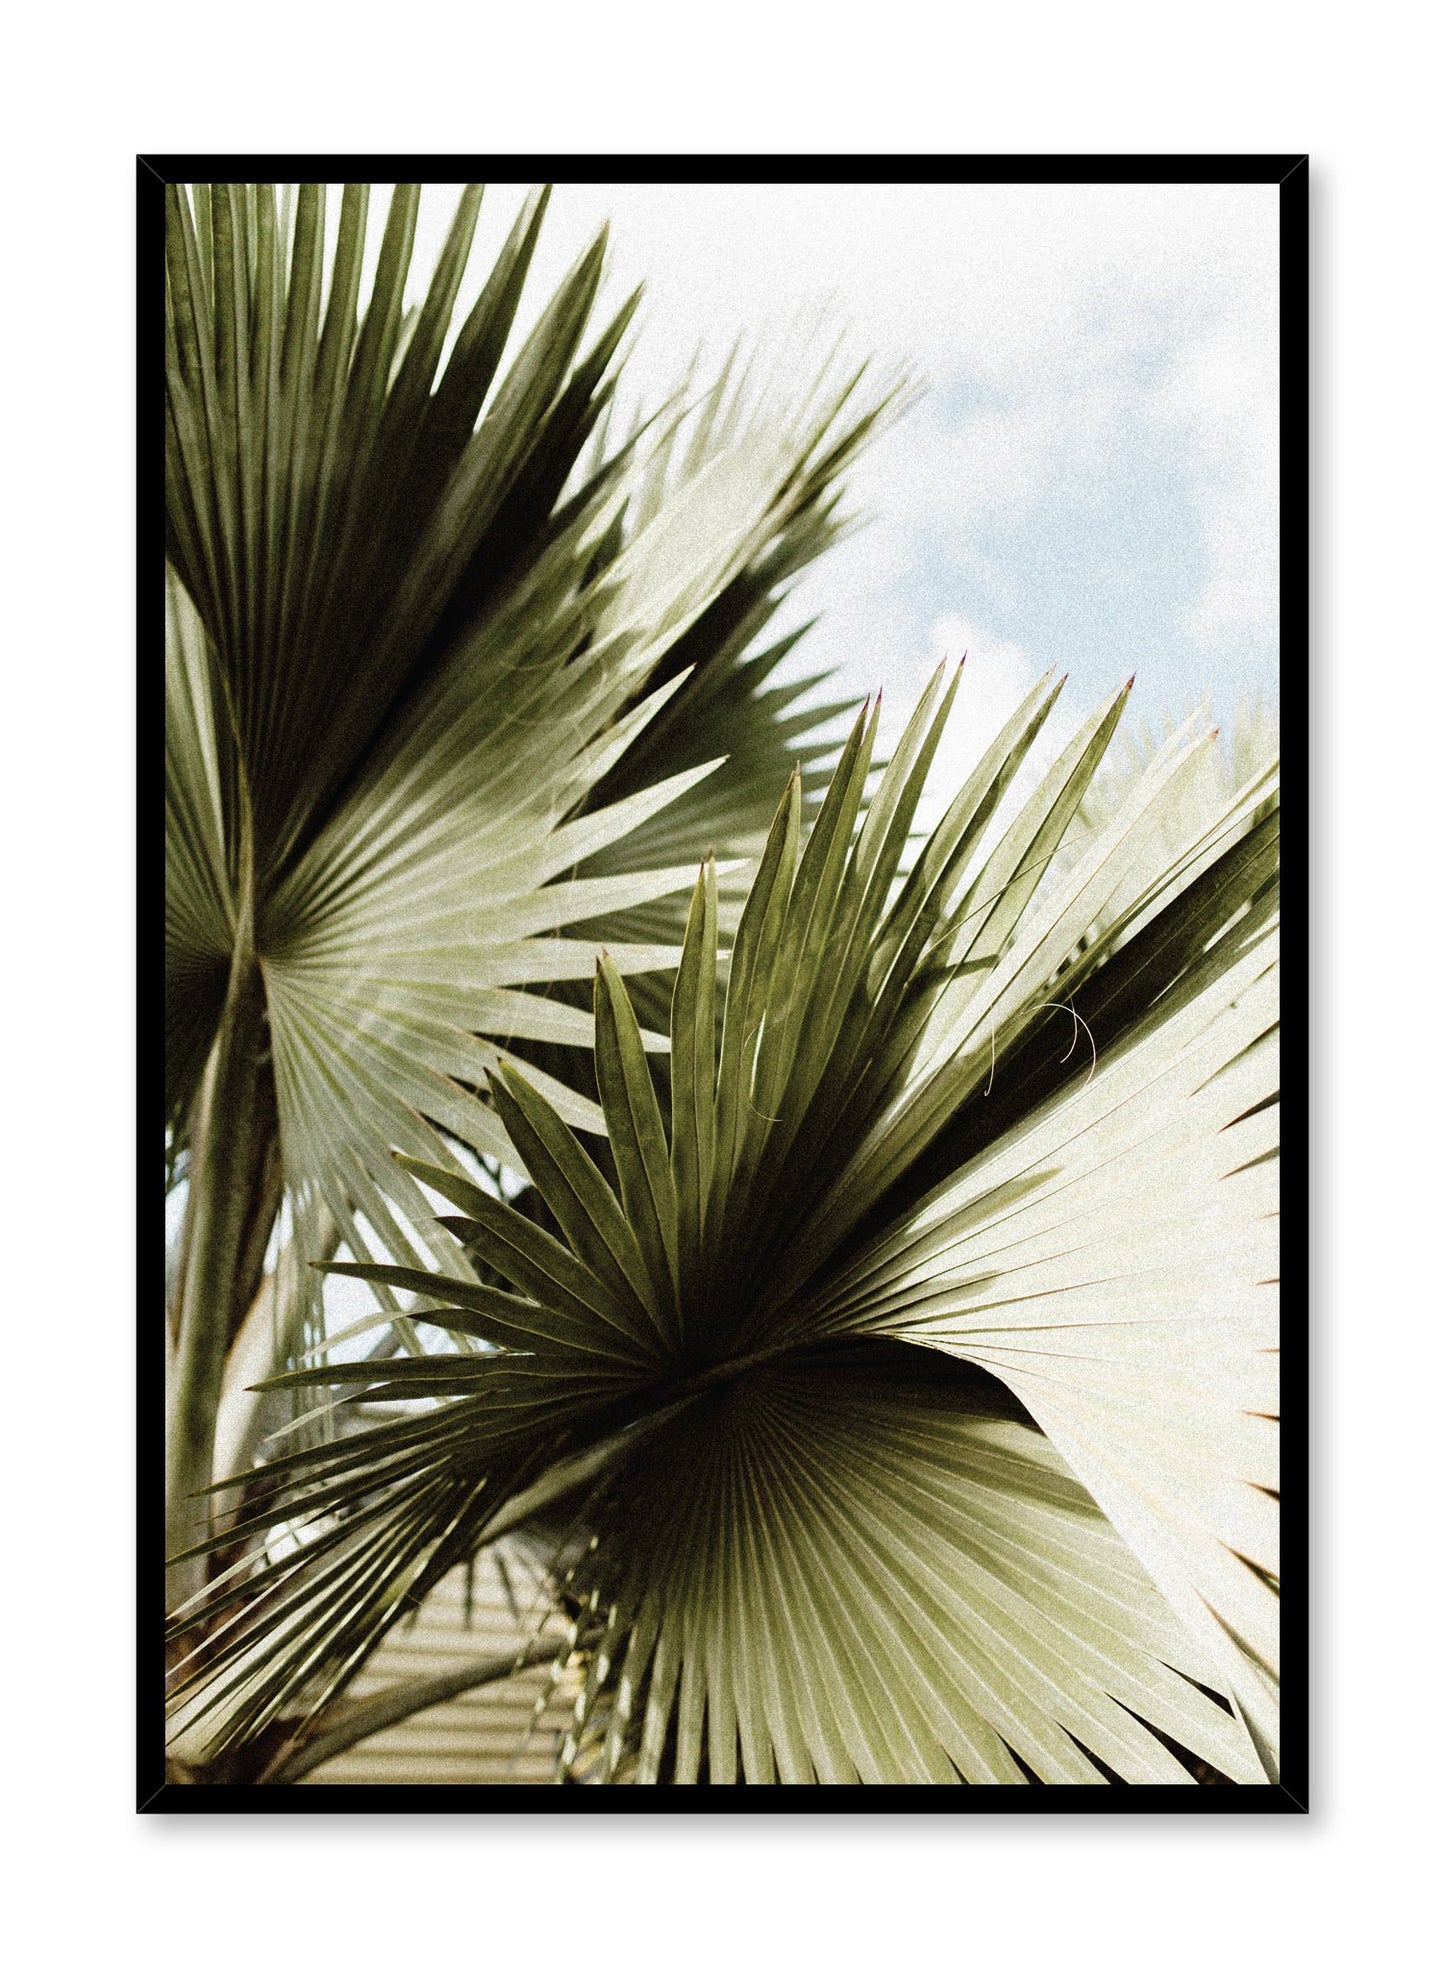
223,1159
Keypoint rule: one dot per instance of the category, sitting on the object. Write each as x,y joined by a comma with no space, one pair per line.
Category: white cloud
996,675
1223,394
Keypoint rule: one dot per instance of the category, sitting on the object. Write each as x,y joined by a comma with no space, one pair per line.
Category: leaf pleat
907,1571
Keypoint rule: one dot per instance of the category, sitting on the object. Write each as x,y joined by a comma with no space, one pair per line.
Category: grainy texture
475,1738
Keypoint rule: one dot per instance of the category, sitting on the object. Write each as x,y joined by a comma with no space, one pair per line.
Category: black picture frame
1290,173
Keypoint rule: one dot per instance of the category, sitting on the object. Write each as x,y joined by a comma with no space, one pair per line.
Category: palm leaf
835,1569
1113,1261
842,1512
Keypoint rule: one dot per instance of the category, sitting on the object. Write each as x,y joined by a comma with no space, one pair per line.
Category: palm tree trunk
230,1119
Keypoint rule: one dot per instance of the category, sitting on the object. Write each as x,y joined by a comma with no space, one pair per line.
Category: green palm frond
727,702
421,623
838,1401
728,705
388,595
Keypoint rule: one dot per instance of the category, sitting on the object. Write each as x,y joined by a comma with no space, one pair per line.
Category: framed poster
722,1041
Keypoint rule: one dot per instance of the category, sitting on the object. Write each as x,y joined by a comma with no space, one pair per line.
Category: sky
1089,477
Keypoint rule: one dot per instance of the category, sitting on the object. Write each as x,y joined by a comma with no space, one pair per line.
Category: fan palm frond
840,1398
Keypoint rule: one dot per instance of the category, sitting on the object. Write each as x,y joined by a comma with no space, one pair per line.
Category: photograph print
722,984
